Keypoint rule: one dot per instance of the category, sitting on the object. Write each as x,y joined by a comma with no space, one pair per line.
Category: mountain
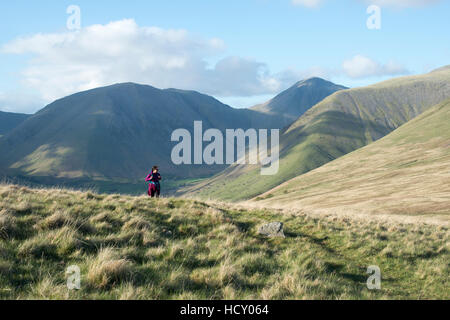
341,123
8,121
118,132
295,101
406,172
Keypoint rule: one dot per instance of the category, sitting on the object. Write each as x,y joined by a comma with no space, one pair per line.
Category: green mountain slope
341,123
9,121
406,172
295,101
117,132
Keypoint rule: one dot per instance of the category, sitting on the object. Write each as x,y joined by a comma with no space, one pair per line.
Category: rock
273,229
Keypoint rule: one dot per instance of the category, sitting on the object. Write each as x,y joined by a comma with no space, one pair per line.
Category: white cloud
19,101
68,62
121,51
363,67
293,75
307,3
382,3
402,3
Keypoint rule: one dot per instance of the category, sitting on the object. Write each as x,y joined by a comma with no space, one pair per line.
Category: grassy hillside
406,172
117,132
141,248
341,123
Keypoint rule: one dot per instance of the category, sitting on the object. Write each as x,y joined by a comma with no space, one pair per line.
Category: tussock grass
8,225
140,248
108,268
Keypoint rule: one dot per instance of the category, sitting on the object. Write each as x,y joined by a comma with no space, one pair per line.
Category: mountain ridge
296,100
10,120
84,131
80,135
343,122
404,172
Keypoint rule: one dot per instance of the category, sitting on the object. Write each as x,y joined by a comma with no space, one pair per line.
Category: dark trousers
156,192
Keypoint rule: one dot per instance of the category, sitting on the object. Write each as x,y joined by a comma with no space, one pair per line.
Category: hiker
154,188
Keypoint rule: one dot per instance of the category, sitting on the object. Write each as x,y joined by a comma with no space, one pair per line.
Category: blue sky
242,52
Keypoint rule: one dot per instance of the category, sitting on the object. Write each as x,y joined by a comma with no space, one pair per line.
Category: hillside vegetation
406,172
140,248
117,133
9,121
345,121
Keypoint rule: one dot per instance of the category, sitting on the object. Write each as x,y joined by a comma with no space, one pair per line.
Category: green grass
140,248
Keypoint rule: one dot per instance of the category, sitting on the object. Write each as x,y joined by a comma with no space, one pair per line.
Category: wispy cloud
361,66
381,3
307,3
402,3
19,101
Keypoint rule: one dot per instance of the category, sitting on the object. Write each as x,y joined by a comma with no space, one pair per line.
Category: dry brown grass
108,269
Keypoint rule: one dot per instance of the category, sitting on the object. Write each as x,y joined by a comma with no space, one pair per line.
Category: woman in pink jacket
154,187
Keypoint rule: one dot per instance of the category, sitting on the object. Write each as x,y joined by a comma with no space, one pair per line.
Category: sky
242,52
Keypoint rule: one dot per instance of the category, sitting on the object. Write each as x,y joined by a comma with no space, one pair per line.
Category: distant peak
315,81
312,80
125,85
128,84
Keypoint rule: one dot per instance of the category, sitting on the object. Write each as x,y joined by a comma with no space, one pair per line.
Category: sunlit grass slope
406,172
139,248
